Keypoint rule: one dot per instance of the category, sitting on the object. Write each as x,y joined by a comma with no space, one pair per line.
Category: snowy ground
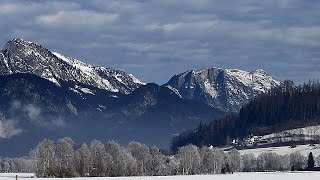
303,149
236,176
307,131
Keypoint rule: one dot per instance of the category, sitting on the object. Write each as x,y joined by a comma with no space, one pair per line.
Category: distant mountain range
46,94
226,89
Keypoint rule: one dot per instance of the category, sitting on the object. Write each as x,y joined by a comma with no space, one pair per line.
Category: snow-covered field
236,176
303,149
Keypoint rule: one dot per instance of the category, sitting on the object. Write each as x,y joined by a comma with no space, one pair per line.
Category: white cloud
77,20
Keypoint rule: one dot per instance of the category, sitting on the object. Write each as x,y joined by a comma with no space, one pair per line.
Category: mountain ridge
226,89
20,56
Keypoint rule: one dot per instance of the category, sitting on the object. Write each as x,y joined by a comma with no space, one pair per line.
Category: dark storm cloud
155,39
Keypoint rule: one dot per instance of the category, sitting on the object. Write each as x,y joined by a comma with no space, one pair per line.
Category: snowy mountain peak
19,41
20,56
226,89
259,71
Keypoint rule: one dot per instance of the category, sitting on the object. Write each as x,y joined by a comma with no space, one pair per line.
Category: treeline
64,159
285,107
270,161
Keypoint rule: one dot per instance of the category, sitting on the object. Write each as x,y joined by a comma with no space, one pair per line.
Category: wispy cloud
8,127
19,112
85,20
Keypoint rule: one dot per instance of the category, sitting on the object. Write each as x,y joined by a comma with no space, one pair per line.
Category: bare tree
101,160
141,153
65,157
43,156
211,160
123,164
318,161
189,159
235,160
297,161
249,162
158,162
272,161
6,166
83,160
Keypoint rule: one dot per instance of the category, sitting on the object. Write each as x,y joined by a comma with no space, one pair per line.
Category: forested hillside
285,107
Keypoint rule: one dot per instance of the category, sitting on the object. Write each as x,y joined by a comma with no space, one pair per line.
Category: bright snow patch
84,90
283,150
210,89
135,80
308,133
114,96
174,90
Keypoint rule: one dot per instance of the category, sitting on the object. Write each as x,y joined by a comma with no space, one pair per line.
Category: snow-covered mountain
20,56
35,108
226,89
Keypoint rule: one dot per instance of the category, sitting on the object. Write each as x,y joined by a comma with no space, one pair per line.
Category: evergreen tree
282,108
310,161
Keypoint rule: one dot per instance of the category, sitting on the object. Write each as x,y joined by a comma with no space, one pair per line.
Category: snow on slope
20,56
283,150
298,134
235,176
226,89
306,133
87,71
95,73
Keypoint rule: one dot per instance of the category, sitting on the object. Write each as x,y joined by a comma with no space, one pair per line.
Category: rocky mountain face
226,89
20,56
36,108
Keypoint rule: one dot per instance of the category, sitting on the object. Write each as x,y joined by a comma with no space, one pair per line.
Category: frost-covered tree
211,160
249,162
22,164
318,161
168,169
83,160
44,158
131,163
297,161
123,164
1,161
284,162
235,160
118,167
189,160
101,160
158,162
141,153
17,165
6,166
65,157
273,161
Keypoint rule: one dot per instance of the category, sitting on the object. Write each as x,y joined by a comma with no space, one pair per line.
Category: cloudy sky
155,39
